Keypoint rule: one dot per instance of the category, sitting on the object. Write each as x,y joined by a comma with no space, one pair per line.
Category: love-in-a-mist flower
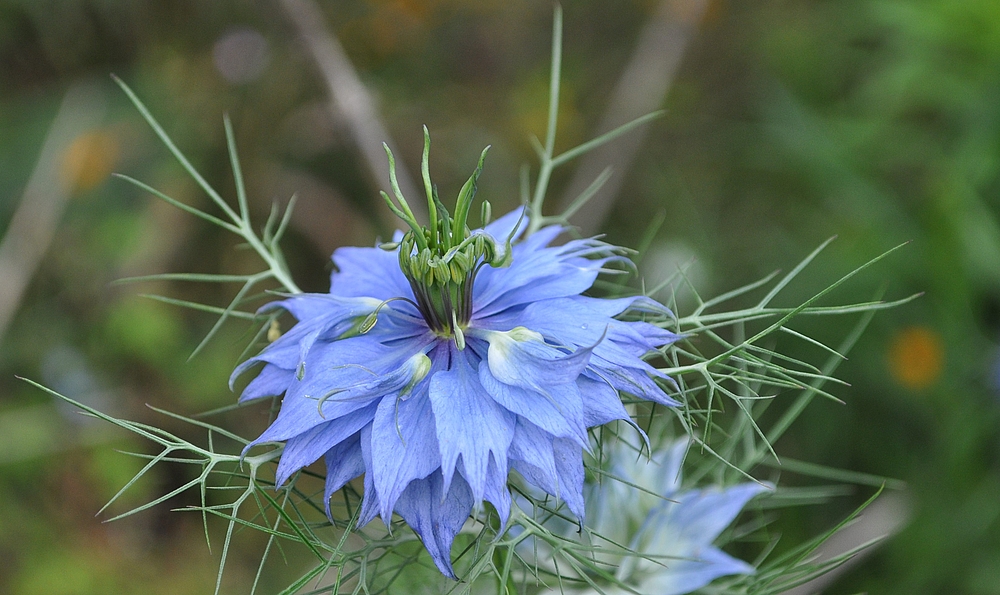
674,533
444,360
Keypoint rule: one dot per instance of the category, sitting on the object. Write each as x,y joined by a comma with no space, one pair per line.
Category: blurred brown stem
351,101
641,89
882,519
34,223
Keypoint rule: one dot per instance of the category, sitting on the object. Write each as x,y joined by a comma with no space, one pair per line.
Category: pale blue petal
576,320
538,273
340,378
559,411
436,516
647,305
633,380
581,320
286,354
701,515
370,501
537,281
640,337
305,346
344,462
552,465
460,403
404,446
497,493
672,458
272,381
601,403
684,576
518,360
531,456
283,355
321,317
569,467
302,450
530,246
303,416
306,307
368,272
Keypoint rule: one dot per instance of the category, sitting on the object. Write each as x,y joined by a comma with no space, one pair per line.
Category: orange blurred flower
916,357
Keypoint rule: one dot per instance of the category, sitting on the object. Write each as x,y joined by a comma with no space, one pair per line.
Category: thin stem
278,270
545,171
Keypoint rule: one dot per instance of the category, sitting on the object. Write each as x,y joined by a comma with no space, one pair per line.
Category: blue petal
368,272
283,355
370,502
521,358
272,381
552,465
302,450
538,273
307,307
469,423
321,317
558,411
436,515
531,286
501,227
341,377
682,576
575,320
641,337
633,380
497,493
344,462
701,515
569,468
601,403
403,446
583,321
531,456
618,354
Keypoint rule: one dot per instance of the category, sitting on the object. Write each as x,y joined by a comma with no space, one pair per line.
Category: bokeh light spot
241,55
916,357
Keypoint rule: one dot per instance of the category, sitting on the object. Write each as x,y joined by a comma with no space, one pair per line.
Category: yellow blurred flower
916,357
89,159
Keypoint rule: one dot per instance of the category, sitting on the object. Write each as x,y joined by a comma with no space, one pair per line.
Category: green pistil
441,260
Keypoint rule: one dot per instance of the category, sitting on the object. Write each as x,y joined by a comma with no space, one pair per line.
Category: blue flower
440,364
674,533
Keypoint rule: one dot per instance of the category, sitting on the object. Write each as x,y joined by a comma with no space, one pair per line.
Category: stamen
371,319
441,262
459,335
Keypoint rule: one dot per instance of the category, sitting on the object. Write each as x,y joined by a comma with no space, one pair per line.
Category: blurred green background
787,122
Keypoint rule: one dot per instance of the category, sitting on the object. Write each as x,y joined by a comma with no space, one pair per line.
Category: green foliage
788,123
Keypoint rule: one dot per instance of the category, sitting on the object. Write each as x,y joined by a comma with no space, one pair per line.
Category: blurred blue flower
674,533
435,391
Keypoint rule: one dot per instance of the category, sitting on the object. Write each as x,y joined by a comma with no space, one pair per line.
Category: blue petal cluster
674,533
436,424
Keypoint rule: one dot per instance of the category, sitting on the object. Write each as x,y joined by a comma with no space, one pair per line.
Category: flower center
442,283
441,260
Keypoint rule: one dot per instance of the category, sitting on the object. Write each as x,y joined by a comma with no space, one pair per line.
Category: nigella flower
439,363
673,533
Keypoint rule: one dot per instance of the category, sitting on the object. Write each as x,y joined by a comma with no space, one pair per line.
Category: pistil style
441,261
